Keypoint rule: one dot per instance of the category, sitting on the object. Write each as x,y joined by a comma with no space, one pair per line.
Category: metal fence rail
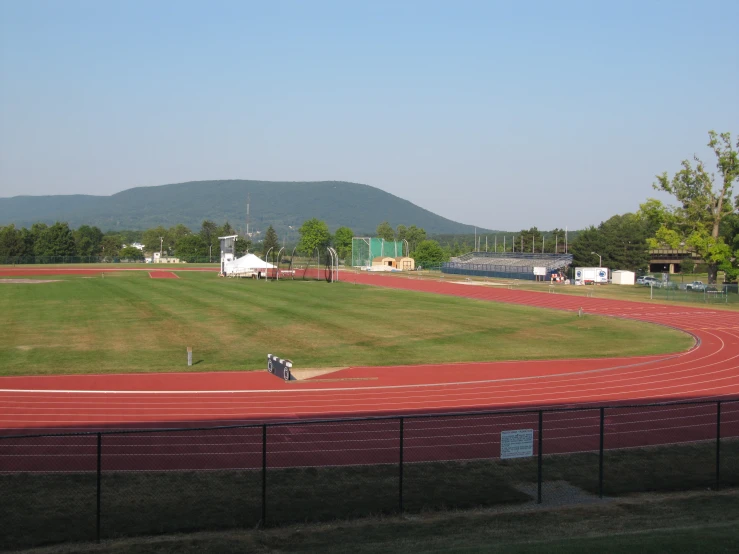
100,485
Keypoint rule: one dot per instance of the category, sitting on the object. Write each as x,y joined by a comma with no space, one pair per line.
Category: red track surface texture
162,275
710,370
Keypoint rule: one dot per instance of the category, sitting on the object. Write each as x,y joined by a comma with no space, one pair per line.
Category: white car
648,281
698,286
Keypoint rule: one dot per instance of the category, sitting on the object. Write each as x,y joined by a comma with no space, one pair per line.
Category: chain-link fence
367,249
97,486
703,294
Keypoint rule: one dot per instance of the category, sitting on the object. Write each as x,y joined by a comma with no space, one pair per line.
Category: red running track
163,275
708,371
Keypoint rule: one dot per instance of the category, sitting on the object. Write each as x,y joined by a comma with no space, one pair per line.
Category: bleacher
517,265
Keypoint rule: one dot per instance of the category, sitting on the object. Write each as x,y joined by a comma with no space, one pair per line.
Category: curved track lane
708,371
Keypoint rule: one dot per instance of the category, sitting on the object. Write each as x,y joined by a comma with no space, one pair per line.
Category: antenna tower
248,198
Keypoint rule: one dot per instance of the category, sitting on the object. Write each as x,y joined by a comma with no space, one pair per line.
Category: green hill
280,204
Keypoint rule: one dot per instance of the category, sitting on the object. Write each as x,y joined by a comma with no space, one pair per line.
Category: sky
504,115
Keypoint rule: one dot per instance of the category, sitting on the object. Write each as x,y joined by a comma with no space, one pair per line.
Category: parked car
697,286
649,281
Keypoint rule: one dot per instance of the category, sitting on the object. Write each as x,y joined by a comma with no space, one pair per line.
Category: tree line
704,220
92,244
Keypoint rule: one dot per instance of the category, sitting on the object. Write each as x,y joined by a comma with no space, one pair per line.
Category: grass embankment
127,322
697,522
53,508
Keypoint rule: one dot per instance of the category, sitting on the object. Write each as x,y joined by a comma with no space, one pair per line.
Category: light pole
210,255
600,259
278,262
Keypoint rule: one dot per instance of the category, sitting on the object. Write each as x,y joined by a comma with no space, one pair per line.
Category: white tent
246,264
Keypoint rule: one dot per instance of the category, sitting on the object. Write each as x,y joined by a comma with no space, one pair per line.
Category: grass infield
128,322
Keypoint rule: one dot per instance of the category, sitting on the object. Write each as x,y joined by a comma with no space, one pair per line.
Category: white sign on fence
517,444
540,271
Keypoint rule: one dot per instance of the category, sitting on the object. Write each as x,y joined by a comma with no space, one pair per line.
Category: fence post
718,445
540,454
400,469
99,471
264,475
600,461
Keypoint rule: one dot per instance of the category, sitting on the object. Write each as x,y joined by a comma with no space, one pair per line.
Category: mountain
280,204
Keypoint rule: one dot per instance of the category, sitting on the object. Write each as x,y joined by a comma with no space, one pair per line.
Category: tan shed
385,261
404,263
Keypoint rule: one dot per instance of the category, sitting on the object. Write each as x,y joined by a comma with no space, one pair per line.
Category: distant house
135,245
672,260
164,259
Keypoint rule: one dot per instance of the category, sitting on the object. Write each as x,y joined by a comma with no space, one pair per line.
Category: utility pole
161,247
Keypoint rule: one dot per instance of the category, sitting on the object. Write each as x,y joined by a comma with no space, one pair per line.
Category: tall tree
131,253
191,248
414,236
111,246
32,236
56,240
87,240
343,242
226,230
271,241
157,239
177,232
531,240
11,242
209,234
730,232
586,248
385,231
702,204
401,232
314,234
428,254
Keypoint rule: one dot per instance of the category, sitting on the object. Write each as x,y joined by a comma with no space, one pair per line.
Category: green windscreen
365,249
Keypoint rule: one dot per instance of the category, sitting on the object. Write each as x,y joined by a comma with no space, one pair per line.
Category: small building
404,263
164,259
620,277
384,261
673,260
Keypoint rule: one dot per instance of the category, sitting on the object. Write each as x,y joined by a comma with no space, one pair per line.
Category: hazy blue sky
499,114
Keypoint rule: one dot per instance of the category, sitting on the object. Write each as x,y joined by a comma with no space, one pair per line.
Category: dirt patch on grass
28,281
311,372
